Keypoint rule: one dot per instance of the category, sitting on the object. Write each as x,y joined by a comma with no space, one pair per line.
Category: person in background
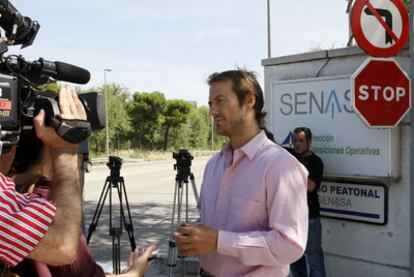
253,210
269,134
313,258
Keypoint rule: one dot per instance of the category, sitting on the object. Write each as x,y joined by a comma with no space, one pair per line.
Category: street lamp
106,112
269,39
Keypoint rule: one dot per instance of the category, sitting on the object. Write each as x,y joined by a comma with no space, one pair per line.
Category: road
150,190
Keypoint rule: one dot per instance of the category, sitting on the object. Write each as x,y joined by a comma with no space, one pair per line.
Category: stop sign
381,93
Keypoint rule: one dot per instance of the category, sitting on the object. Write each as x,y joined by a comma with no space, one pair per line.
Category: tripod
114,181
182,166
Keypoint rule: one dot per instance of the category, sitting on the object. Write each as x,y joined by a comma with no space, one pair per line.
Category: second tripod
183,158
114,181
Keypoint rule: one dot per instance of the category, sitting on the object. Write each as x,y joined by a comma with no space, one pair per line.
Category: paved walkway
150,195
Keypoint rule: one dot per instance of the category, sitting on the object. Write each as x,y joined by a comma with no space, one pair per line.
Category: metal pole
106,113
269,45
411,143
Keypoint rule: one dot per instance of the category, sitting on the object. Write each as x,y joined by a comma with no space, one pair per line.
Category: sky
172,46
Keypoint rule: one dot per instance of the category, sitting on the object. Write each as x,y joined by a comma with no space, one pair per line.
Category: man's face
228,114
300,144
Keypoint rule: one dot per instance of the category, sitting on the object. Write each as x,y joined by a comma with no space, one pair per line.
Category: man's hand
137,265
311,185
70,108
196,239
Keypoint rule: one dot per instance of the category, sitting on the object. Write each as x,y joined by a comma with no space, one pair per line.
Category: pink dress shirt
256,197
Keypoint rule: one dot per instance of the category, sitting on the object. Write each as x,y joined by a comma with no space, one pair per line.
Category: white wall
354,248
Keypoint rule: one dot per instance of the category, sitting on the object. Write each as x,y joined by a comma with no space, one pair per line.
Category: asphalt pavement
150,188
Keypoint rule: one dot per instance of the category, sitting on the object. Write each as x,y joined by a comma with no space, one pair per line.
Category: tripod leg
180,205
172,255
194,188
172,247
116,250
186,201
174,206
98,209
129,227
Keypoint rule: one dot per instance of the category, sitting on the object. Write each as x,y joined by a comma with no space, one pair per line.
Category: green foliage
199,124
51,87
175,114
148,121
145,112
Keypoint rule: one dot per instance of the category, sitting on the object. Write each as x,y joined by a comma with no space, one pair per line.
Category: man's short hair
306,130
28,152
243,83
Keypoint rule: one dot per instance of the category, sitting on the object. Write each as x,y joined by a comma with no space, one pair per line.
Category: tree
175,114
200,127
145,112
119,123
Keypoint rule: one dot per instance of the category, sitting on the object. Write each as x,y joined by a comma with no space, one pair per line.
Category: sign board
344,143
380,27
381,93
354,202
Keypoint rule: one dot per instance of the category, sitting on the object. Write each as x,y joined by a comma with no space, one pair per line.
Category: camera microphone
41,70
72,73
58,70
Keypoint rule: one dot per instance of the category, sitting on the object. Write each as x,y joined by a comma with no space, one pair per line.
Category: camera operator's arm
59,244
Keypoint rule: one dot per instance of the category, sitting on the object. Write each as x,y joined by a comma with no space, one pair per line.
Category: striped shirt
24,220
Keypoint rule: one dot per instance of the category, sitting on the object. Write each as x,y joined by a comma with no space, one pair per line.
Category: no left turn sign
380,27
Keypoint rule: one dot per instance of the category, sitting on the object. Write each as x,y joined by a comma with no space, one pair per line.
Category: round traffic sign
381,93
380,27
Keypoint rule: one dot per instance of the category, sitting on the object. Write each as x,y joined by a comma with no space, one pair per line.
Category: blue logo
328,103
288,141
332,104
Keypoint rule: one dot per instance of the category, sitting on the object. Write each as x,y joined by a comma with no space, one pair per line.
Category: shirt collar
249,149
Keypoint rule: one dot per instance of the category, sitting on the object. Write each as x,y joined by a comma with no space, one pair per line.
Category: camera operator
33,170
31,226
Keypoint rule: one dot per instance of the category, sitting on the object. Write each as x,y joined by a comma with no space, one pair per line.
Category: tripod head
114,165
183,159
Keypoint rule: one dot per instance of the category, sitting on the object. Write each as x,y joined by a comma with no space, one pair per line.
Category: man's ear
250,101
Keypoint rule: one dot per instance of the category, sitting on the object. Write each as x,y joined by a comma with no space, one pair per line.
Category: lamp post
106,112
269,43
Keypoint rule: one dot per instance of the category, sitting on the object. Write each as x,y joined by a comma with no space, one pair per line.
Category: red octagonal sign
381,93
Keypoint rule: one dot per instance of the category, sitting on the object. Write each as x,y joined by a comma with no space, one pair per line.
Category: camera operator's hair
28,152
243,83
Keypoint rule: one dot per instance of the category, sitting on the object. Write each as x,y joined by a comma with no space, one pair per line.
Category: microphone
71,73
41,69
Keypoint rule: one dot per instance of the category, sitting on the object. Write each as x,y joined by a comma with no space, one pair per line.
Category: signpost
380,27
381,93
342,140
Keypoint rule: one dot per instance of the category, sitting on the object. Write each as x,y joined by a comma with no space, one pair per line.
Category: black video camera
114,165
21,86
183,158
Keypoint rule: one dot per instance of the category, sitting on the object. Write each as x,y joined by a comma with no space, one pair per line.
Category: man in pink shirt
253,206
